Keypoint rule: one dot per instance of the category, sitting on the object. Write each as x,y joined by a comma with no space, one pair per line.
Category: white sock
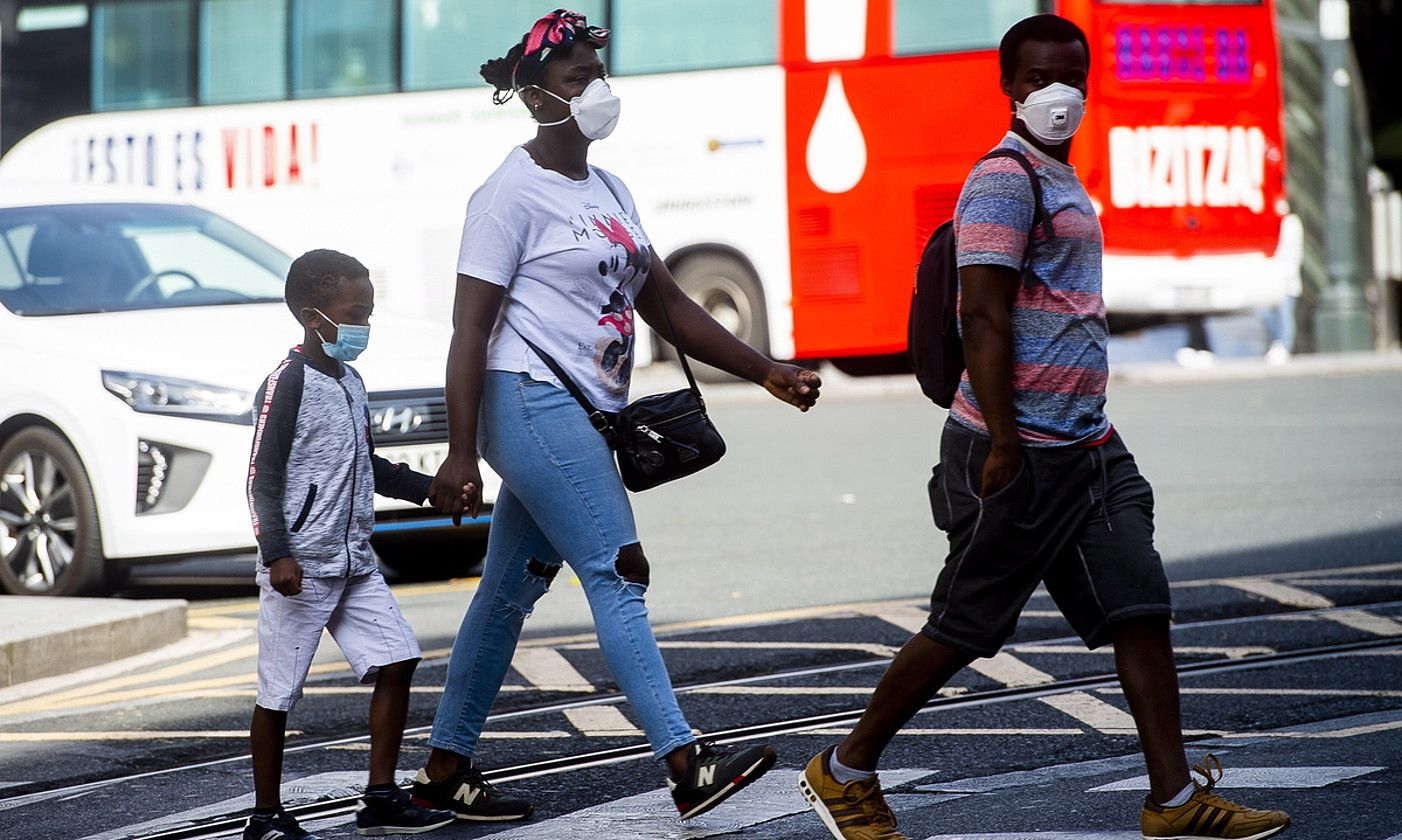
1182,798
844,774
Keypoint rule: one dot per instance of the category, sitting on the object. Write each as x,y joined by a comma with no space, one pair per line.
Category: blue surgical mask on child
351,340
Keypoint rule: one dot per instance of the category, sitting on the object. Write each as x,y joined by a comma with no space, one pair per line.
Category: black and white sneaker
715,773
469,795
394,812
279,825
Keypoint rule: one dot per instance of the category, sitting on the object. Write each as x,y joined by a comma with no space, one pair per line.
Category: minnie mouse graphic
613,357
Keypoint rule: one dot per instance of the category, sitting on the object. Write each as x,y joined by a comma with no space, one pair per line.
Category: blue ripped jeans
561,501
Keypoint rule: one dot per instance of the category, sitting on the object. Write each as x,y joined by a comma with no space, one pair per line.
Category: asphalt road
1264,486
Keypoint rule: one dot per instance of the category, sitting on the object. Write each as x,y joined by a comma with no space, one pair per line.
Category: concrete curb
45,637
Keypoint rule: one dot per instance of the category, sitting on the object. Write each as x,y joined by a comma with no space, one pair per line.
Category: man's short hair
314,277
1053,28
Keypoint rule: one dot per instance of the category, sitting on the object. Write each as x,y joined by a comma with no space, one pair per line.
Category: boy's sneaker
395,813
715,773
276,826
854,811
1206,815
469,795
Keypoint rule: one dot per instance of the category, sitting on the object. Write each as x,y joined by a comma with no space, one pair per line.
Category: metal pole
1341,319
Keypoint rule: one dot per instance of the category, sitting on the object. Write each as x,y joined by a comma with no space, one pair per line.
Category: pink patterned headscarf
558,30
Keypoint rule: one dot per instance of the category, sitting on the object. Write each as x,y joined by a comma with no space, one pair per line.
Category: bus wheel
49,542
730,292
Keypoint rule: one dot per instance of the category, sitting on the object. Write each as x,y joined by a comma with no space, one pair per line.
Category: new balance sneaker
854,811
714,773
396,813
1206,815
279,825
469,795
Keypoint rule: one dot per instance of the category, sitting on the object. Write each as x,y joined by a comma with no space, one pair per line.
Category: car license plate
425,458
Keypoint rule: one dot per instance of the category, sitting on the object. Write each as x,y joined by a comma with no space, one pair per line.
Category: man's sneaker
396,813
715,773
469,795
1206,815
854,811
277,826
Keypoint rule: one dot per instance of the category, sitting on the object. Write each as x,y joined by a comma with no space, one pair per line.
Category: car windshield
66,259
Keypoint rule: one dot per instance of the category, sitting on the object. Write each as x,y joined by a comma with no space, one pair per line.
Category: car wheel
50,544
724,286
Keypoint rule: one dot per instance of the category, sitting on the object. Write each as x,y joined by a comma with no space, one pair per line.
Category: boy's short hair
1053,28
314,277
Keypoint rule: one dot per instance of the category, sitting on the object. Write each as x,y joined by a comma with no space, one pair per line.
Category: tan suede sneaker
854,811
1206,815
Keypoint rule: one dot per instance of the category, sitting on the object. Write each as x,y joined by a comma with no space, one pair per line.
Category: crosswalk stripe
1378,625
1076,650
548,670
1092,711
1290,596
652,816
1276,778
601,722
1010,671
909,619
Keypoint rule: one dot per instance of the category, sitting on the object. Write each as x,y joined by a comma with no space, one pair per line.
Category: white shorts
361,615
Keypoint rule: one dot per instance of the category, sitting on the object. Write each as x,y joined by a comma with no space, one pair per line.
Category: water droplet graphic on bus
837,151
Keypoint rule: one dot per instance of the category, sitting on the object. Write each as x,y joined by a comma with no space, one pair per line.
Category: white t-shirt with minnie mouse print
572,256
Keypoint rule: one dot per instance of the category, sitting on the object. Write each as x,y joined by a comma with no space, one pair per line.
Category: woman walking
554,257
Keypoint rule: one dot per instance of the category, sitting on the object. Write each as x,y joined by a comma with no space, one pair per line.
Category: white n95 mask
1053,113
595,110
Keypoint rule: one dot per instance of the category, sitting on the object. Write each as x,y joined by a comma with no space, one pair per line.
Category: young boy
312,478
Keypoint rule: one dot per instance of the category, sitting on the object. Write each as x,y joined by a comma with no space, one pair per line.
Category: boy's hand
285,575
794,385
457,488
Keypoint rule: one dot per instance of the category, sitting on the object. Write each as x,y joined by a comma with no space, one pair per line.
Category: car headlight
180,397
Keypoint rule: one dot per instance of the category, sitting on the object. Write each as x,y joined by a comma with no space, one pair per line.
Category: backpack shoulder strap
1039,214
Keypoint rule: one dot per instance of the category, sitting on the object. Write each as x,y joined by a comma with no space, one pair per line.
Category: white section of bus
386,178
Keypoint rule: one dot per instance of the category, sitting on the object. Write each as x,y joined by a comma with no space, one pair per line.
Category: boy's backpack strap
1039,214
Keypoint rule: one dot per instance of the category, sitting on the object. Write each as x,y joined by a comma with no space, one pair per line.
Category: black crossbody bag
657,438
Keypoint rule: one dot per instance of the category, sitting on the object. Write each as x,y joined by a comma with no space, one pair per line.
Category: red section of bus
1193,66
925,119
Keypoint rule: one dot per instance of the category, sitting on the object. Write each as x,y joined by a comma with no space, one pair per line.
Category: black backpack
936,350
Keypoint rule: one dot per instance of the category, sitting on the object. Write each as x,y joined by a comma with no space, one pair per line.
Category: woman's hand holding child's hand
457,488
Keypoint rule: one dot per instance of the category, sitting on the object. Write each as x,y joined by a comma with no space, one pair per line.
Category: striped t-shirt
1058,318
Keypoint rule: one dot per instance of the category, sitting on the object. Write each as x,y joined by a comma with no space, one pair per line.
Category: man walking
1034,484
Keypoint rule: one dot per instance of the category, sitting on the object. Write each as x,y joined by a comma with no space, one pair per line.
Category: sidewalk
45,637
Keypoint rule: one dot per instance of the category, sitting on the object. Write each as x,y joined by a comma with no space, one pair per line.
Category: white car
132,337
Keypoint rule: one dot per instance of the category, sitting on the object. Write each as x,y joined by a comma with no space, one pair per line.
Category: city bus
789,157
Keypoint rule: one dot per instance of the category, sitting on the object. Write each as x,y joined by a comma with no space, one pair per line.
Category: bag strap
1039,212
681,354
599,419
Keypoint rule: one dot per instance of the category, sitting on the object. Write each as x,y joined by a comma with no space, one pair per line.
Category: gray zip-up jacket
313,474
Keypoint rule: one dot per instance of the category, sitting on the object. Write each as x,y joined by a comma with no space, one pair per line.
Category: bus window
141,54
446,41
243,50
663,36
923,27
343,47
